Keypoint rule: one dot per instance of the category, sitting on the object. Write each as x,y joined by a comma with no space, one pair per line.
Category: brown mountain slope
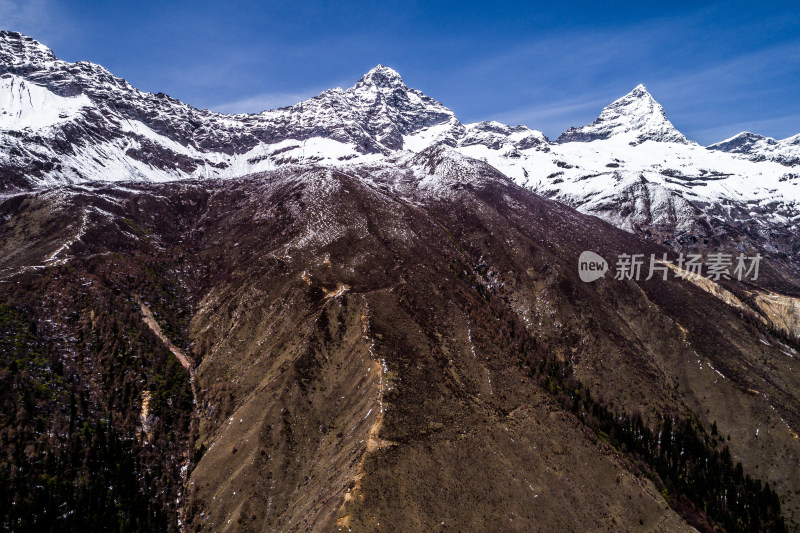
362,346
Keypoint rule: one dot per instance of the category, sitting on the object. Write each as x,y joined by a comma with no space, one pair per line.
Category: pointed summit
383,77
637,116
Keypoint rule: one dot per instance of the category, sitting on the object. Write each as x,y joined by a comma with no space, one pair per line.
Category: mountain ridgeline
66,123
357,313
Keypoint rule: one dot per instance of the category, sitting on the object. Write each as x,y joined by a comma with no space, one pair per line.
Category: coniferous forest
73,453
693,466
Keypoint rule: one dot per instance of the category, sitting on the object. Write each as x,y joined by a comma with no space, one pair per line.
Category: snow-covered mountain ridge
64,122
759,148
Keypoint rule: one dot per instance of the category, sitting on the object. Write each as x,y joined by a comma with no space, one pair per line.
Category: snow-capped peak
383,77
637,117
76,122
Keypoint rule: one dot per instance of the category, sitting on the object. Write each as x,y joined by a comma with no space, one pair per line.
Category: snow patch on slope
26,105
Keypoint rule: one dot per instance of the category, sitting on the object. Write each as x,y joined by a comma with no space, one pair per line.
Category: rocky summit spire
383,77
637,117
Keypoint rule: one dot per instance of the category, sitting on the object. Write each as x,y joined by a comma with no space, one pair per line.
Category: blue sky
717,68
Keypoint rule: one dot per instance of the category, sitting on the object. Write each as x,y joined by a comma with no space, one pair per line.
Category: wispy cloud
564,111
47,21
706,84
745,69
788,123
715,101
27,16
262,102
565,78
